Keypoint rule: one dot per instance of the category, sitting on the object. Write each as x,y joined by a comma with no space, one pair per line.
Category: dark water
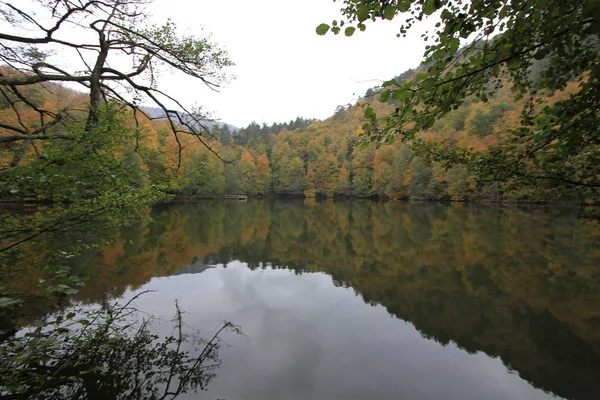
364,300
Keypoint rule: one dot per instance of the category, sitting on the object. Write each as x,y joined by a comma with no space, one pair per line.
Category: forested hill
326,158
302,157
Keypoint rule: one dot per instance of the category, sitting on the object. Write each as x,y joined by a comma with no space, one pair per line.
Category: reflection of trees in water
521,285
107,353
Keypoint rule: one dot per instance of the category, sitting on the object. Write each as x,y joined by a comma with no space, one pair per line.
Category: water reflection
520,285
309,340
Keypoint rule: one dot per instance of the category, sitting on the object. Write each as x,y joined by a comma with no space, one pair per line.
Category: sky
283,68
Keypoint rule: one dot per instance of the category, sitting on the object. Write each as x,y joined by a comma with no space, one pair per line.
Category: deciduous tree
96,36
536,48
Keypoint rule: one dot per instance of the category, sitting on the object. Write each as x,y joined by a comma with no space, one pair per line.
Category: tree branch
25,136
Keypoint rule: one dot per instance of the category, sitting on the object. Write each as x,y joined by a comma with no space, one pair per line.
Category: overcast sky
283,68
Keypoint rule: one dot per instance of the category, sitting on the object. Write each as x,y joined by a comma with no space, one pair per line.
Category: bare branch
31,79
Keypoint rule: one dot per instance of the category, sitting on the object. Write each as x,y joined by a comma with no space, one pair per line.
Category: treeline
327,158
249,135
303,157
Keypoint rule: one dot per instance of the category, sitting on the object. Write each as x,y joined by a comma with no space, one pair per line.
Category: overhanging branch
16,138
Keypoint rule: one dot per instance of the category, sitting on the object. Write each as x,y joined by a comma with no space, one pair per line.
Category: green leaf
385,96
401,94
369,112
453,47
389,12
322,29
349,31
363,13
404,5
439,54
446,14
427,83
429,7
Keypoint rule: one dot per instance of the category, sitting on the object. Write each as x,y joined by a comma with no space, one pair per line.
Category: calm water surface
364,300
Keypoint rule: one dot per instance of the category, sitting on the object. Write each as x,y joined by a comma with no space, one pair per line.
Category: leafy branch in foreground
92,182
537,49
109,352
84,154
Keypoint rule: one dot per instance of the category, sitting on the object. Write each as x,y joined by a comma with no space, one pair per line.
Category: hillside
327,158
304,157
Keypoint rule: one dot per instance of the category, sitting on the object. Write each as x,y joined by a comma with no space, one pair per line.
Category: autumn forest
300,158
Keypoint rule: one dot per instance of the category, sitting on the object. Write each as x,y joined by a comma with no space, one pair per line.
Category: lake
372,300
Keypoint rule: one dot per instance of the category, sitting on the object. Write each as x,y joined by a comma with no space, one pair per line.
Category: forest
488,118
330,158
303,157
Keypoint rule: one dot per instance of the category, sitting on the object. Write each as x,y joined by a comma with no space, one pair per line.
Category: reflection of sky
307,339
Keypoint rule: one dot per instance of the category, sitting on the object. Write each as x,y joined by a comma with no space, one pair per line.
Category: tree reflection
519,284
107,353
